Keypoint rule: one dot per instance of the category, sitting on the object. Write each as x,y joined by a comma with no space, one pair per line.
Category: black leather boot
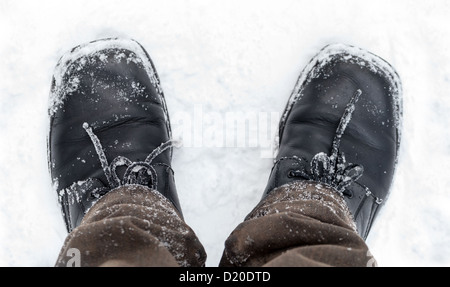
341,127
109,126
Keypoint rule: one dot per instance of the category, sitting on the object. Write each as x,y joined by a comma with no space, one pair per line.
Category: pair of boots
110,128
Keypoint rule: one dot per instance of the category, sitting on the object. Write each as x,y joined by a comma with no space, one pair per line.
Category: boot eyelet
291,173
348,193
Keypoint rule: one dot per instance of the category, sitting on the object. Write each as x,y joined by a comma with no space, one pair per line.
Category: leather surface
112,91
371,137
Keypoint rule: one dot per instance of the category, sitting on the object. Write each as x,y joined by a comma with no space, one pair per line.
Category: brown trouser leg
133,226
300,224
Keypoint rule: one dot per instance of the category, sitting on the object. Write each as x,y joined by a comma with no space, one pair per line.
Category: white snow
222,57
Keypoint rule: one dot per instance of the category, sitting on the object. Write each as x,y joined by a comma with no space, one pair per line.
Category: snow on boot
341,127
109,126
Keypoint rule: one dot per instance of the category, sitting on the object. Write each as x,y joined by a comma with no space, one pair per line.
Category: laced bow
134,170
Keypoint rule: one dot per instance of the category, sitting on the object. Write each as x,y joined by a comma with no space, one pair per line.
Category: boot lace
333,169
134,171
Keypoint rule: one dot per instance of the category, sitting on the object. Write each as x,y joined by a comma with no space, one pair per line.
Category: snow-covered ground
220,60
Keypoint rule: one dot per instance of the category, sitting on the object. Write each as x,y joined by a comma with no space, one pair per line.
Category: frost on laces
333,170
132,167
75,192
